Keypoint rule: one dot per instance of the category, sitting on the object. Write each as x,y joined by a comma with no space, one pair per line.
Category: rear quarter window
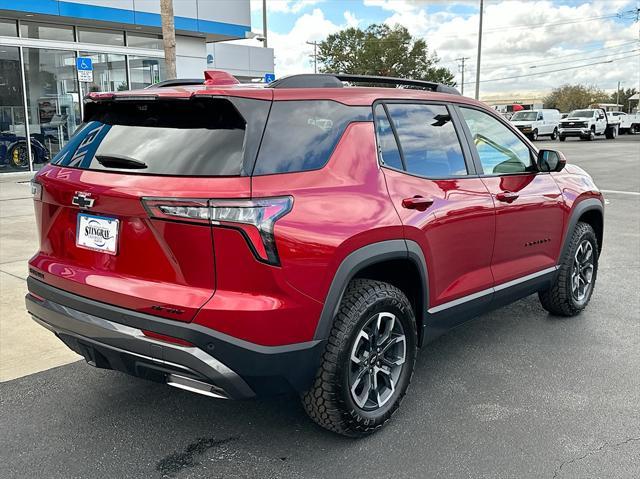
301,134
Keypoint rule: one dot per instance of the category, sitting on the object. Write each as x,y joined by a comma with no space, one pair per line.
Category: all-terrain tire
329,400
559,299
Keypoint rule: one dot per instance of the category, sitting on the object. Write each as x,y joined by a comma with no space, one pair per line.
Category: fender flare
358,260
577,211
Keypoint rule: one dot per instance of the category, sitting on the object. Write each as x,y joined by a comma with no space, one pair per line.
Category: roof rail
211,77
334,80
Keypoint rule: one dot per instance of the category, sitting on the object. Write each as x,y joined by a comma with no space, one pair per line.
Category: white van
535,123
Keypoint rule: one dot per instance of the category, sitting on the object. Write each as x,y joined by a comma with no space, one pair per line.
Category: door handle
507,196
418,202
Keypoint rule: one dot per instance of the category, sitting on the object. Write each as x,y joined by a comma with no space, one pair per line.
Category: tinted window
429,142
46,31
499,149
301,135
8,28
199,137
99,36
389,153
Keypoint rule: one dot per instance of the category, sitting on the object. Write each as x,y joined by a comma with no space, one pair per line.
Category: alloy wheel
583,268
376,361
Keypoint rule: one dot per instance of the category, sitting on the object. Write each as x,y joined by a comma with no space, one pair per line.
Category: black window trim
457,127
474,151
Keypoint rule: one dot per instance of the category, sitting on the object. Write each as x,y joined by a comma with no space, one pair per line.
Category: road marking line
633,193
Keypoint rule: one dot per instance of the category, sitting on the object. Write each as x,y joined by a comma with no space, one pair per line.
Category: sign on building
84,66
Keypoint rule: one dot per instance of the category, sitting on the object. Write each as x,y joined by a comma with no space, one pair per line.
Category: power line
593,50
558,70
581,59
505,28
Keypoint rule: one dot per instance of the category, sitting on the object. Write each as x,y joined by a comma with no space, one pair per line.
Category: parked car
14,153
535,123
304,236
629,123
588,123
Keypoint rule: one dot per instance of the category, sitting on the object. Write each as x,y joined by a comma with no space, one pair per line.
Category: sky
521,37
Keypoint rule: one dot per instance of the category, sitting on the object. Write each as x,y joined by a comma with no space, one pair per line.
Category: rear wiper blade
120,161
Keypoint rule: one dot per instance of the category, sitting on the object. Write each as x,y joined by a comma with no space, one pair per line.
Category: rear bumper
216,365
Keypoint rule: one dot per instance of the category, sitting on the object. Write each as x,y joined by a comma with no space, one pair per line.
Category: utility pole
479,51
264,23
618,95
168,37
461,68
315,55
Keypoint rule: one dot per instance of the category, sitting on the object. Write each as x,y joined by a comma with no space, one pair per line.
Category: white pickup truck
628,123
587,124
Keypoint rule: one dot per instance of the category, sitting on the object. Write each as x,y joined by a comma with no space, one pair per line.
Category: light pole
479,51
264,22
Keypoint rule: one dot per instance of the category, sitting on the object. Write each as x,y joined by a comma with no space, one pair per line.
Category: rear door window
428,140
301,134
196,137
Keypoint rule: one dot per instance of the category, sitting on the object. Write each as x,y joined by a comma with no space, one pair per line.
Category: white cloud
292,54
507,44
283,6
351,19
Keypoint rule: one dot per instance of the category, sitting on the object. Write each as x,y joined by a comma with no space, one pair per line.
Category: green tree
381,50
623,98
571,97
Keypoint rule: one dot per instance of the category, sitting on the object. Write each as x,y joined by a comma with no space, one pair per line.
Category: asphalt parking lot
514,394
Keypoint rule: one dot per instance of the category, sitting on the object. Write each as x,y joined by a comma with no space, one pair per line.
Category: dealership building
41,88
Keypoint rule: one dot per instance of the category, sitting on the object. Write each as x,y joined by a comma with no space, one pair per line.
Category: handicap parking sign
269,77
84,66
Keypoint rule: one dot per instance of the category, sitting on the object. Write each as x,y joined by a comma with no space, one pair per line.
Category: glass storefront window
52,100
8,28
143,40
109,73
146,71
13,146
47,31
100,36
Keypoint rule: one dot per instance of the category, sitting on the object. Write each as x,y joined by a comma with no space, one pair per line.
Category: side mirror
551,160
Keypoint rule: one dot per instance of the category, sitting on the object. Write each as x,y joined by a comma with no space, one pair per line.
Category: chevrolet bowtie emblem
83,200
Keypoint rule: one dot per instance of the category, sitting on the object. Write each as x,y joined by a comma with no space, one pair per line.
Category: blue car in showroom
14,154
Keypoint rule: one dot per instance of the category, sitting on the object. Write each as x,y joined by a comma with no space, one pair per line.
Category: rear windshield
196,137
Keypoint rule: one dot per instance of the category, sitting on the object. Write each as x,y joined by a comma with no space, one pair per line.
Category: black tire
592,135
561,299
329,401
610,133
562,138
554,135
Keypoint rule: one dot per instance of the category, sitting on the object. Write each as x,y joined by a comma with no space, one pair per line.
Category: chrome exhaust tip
195,386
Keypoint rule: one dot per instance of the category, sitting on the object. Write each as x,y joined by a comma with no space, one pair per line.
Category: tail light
255,219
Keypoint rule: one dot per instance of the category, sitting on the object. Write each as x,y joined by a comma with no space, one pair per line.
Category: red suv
307,235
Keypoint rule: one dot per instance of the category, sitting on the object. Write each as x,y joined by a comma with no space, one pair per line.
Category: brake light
255,219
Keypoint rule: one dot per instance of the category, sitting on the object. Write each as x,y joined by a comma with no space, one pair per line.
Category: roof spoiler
335,80
211,77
